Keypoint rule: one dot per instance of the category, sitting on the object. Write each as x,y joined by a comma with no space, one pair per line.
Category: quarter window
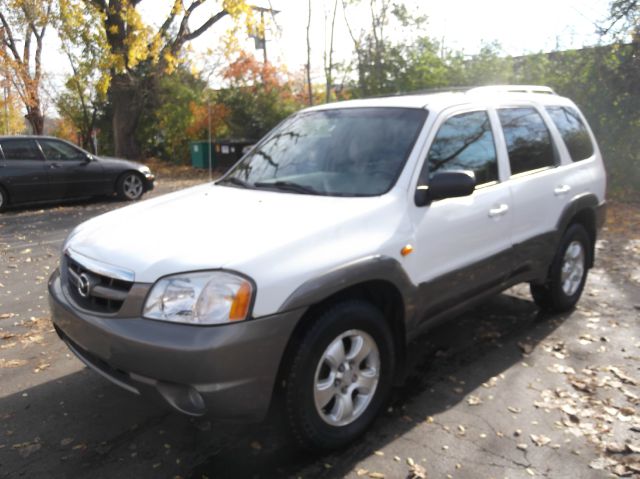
464,142
528,139
573,131
20,150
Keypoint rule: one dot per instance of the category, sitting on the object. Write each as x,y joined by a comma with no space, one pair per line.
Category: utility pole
260,38
210,146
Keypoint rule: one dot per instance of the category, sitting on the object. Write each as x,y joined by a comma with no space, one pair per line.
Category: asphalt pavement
500,392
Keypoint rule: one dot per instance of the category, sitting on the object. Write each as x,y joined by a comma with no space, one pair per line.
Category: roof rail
513,89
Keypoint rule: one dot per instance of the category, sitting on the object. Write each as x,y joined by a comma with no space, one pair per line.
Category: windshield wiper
235,181
288,186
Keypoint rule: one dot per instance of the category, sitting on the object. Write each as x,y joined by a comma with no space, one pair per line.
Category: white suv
344,233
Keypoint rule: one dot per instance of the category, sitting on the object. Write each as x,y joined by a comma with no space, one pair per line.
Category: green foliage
164,123
258,97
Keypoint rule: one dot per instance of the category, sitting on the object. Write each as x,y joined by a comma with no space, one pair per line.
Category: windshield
342,152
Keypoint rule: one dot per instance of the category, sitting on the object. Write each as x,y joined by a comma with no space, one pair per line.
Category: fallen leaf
514,410
559,368
622,376
615,448
362,472
416,471
474,400
12,363
601,463
522,446
376,475
540,440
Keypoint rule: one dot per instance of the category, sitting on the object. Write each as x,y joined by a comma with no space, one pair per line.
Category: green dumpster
200,154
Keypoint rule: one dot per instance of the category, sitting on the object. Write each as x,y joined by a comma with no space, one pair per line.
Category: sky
519,27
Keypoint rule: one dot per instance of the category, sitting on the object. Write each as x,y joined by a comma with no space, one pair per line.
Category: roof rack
513,89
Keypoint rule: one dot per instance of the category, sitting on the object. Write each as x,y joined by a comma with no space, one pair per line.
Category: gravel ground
502,391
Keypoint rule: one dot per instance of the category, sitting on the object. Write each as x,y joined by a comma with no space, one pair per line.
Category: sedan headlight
145,170
213,297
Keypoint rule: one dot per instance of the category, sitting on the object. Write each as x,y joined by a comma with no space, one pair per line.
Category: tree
139,55
308,65
623,20
257,97
11,119
29,18
328,51
85,94
180,114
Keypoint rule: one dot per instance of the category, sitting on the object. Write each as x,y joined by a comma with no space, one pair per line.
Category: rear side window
20,150
464,142
528,139
573,131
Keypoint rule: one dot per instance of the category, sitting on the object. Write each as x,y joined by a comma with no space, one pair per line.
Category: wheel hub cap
573,267
132,186
346,377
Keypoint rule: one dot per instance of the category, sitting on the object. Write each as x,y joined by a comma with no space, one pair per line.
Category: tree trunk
36,119
127,102
308,66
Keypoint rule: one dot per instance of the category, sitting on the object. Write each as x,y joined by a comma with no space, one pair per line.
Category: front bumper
149,182
227,371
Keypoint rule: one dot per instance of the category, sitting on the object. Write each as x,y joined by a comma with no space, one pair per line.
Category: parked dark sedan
39,168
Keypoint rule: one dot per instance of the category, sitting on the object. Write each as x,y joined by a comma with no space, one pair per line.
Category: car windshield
338,152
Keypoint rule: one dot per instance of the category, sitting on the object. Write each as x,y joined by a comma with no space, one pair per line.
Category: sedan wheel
130,187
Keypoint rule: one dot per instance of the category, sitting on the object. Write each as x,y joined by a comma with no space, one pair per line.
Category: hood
118,162
209,227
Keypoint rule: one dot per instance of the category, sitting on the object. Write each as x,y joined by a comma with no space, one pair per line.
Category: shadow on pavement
81,426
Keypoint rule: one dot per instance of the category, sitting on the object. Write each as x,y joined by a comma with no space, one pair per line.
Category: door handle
561,190
498,210
54,165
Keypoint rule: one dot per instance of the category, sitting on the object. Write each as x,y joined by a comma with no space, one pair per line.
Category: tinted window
464,142
340,152
528,139
60,151
20,150
573,131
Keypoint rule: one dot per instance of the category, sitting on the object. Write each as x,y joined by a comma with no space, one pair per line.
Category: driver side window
59,151
464,142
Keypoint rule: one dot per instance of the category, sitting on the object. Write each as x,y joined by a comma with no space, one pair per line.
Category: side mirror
448,184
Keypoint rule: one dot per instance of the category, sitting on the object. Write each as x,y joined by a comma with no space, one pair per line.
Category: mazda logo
84,285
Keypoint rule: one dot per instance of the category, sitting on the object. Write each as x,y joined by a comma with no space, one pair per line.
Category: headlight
145,170
212,297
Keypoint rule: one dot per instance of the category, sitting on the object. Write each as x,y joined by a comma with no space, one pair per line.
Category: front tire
340,375
130,187
568,272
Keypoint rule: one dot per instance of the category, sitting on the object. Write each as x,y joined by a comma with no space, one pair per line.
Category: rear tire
340,375
130,186
568,272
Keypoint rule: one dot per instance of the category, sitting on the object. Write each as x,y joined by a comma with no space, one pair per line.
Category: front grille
93,291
